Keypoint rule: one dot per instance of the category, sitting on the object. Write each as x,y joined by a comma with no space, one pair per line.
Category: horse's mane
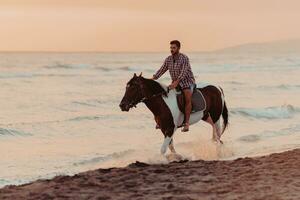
155,87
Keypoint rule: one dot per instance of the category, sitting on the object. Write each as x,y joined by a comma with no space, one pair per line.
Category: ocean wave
250,138
279,112
284,131
81,118
15,75
115,155
4,182
56,75
266,134
25,75
66,66
96,117
93,102
107,69
281,87
235,82
84,104
12,132
125,68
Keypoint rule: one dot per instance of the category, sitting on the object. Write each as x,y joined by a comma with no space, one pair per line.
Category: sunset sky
140,25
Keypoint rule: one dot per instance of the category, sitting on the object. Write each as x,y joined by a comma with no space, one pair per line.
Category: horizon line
25,51
193,51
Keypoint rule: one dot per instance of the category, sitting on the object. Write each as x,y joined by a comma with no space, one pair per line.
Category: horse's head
133,93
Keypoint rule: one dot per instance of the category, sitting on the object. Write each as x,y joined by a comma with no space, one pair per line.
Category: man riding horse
165,103
182,76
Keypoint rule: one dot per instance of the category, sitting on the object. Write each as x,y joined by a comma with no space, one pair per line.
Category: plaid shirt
179,68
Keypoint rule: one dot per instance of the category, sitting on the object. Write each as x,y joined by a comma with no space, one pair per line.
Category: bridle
134,103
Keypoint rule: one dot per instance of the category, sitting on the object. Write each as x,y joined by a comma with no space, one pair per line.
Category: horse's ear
140,74
134,75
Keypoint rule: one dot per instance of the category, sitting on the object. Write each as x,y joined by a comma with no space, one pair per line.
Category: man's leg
188,108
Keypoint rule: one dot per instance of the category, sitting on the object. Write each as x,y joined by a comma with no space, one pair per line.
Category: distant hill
286,46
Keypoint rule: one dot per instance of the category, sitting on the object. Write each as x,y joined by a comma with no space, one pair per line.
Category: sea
60,115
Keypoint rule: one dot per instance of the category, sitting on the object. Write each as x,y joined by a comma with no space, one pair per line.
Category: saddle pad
198,101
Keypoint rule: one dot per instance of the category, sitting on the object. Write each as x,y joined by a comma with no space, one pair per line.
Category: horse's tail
225,117
224,112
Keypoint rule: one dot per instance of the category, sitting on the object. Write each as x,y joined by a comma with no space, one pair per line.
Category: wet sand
276,176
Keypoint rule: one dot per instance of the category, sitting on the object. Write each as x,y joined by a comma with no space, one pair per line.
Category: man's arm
161,71
185,66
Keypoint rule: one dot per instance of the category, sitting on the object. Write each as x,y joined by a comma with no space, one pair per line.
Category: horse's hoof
174,157
217,141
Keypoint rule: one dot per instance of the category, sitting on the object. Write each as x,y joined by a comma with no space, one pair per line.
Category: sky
144,25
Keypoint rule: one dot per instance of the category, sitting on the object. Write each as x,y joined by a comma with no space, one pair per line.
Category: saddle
198,100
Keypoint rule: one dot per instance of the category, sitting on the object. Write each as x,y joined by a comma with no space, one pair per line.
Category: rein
155,95
145,98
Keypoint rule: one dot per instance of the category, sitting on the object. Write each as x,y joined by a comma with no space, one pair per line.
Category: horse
162,102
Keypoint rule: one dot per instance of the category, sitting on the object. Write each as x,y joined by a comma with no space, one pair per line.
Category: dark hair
176,42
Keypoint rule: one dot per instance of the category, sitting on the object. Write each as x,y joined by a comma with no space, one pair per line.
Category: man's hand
174,84
152,78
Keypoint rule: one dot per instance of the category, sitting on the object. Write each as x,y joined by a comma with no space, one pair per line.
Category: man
181,74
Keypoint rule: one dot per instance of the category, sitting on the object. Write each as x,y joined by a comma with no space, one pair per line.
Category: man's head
174,47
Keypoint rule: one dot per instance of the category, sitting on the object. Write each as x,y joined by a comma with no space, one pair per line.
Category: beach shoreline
275,176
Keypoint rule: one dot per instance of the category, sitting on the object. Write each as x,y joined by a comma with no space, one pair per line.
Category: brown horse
163,104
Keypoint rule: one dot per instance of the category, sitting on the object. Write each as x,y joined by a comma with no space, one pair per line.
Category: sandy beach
275,176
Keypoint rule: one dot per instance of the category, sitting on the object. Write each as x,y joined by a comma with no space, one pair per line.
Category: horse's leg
167,141
210,121
171,146
218,130
165,144
156,118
